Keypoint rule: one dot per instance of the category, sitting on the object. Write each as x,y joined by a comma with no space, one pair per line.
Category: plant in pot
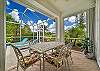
88,48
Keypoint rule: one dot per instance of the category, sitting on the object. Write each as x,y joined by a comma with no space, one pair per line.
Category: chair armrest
23,48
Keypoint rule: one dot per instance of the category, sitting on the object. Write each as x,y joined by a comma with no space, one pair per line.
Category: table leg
43,63
40,64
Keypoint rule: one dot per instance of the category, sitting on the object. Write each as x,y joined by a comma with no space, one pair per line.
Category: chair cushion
29,60
57,62
25,40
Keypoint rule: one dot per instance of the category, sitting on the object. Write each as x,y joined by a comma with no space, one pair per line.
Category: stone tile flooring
81,63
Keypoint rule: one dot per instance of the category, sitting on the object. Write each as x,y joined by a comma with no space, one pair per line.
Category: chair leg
68,64
40,64
17,66
57,68
71,59
52,50
24,69
65,65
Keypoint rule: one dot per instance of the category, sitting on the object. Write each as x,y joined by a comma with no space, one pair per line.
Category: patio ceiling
67,7
56,8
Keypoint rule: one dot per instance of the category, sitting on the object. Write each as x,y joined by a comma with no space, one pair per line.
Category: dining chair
25,61
69,50
57,59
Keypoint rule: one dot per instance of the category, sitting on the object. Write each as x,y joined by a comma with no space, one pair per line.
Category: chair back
69,46
19,56
35,41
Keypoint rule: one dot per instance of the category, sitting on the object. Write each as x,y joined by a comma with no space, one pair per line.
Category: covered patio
81,63
58,10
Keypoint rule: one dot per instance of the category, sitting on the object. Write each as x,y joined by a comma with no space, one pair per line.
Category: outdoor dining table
44,47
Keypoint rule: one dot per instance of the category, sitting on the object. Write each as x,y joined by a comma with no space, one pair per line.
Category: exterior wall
97,31
2,51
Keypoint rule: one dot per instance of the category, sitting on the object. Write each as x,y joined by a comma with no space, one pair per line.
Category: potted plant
88,48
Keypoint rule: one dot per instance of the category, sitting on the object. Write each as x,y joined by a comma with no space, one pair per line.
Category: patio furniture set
55,53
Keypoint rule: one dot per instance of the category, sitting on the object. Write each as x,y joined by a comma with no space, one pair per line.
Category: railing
76,41
17,38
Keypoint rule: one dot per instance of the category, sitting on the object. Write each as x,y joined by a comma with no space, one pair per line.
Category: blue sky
32,17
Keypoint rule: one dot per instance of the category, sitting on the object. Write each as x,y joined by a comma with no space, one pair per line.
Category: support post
60,29
2,35
37,33
43,31
33,33
90,23
20,32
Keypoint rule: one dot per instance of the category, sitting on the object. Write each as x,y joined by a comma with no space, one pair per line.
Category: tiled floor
81,63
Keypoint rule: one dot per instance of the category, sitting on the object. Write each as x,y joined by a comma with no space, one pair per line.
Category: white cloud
48,19
15,15
8,3
52,25
39,22
72,19
42,22
66,19
29,23
52,30
69,27
65,27
45,23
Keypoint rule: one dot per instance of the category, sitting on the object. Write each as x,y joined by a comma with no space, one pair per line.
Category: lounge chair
23,43
33,41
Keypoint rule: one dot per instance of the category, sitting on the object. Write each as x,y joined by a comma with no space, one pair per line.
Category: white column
97,31
60,29
90,23
20,32
37,33
43,31
2,35
33,32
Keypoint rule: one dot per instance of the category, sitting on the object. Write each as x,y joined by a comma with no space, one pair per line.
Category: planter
90,56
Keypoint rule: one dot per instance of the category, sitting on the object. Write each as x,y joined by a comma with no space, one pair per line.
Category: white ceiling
62,8
68,7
